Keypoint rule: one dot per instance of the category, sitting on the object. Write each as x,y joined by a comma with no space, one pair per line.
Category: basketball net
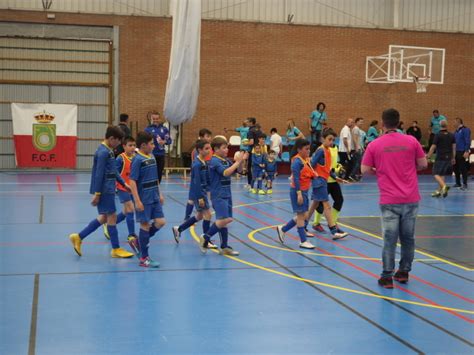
421,84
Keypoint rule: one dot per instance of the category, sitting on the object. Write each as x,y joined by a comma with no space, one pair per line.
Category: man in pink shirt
395,158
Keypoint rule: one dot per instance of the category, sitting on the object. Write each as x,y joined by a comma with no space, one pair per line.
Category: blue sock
205,226
224,233
188,223
153,230
189,210
291,223
130,223
212,230
120,217
113,236
259,184
143,241
91,227
302,234
306,224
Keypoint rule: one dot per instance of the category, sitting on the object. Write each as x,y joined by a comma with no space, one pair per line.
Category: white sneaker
176,233
211,245
306,245
202,244
309,235
281,234
339,234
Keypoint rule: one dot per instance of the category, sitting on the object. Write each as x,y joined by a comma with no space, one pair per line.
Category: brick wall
275,72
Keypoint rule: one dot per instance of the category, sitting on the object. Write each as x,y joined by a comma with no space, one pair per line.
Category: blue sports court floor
271,299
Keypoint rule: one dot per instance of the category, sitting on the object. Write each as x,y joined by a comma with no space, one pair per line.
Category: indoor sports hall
71,69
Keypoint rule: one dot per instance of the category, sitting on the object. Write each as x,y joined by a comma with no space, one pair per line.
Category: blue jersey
162,132
104,171
200,179
317,119
257,160
270,166
145,174
220,184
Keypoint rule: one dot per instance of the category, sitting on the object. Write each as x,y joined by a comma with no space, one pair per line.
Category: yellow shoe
106,231
120,253
261,192
76,243
253,191
269,191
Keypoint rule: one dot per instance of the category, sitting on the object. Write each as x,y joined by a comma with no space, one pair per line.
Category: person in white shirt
345,147
275,141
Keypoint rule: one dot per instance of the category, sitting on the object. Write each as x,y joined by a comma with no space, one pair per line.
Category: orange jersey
307,173
194,154
125,172
324,170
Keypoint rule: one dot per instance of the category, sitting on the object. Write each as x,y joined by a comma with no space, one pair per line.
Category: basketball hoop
421,83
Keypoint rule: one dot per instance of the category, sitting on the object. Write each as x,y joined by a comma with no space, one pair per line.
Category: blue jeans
398,220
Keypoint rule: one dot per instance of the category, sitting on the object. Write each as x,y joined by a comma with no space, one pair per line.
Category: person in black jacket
415,131
123,125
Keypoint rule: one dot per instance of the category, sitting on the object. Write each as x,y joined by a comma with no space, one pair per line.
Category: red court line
444,237
355,266
58,183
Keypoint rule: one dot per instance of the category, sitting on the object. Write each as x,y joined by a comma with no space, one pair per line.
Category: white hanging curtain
182,88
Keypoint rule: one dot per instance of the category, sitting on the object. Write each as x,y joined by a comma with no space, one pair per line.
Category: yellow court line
418,251
257,241
196,238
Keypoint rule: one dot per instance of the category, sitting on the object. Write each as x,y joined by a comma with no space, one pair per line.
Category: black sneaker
456,185
463,188
401,276
386,282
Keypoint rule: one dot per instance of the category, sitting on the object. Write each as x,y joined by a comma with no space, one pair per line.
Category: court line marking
34,317
340,288
58,182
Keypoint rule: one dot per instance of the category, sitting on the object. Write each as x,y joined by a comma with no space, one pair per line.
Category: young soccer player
221,170
270,170
103,178
321,163
301,176
258,170
200,181
148,199
205,135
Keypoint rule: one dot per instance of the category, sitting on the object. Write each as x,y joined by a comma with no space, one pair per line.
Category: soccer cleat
269,191
338,233
229,251
306,245
436,194
133,242
386,282
76,243
444,191
211,245
106,231
147,262
203,244
120,253
318,228
281,234
401,276
261,192
253,191
176,233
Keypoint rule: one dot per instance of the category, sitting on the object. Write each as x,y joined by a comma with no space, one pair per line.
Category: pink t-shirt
394,156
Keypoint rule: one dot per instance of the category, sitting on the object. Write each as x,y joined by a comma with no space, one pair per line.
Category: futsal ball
244,141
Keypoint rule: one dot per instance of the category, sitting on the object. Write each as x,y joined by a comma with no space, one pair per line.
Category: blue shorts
294,201
257,173
320,190
223,207
106,204
270,176
124,196
199,208
151,211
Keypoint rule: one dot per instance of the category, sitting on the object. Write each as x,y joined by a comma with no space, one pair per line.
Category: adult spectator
123,125
463,149
293,133
372,132
252,136
395,158
275,141
435,125
161,138
345,147
445,147
316,122
358,144
415,131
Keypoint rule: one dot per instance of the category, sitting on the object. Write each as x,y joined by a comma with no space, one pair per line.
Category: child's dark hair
271,151
143,138
113,131
200,144
218,142
273,130
299,144
204,131
329,132
127,140
123,117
